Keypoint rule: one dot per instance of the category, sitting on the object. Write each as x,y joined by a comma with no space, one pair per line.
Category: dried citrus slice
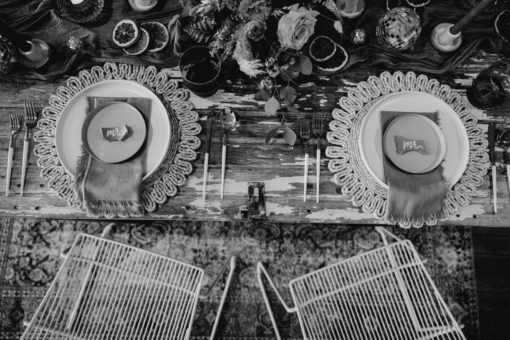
322,48
125,33
335,63
350,8
141,45
159,36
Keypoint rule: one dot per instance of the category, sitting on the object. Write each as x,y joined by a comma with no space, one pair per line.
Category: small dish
414,143
114,132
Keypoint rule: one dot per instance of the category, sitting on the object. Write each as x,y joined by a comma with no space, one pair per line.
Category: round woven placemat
351,173
170,175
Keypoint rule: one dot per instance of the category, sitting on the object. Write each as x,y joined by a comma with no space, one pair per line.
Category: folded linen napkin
112,190
412,196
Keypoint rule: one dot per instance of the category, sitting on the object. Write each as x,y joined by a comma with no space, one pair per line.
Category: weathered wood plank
279,166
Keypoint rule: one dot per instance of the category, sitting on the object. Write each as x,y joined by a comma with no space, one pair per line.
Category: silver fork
15,125
304,132
318,130
30,123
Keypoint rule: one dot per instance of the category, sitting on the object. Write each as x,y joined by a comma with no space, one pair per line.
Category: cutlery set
498,137
227,122
15,123
311,131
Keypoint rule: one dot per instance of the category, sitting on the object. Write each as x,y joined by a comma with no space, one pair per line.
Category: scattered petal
338,26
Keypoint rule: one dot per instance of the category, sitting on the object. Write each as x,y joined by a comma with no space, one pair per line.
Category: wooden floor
492,265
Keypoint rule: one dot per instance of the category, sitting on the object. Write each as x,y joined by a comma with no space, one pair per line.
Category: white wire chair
385,293
108,290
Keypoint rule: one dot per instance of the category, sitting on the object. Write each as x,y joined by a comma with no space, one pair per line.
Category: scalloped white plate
456,138
69,125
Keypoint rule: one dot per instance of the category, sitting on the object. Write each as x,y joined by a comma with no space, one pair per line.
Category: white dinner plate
457,143
69,126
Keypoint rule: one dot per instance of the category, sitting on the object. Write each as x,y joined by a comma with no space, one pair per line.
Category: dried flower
255,30
266,84
244,57
296,27
251,68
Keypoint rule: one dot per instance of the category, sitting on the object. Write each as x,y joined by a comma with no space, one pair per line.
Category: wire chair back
385,293
108,290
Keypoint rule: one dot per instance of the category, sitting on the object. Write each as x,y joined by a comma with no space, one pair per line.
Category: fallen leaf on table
288,135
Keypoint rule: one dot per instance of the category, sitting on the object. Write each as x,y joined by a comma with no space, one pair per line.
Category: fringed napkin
112,190
412,196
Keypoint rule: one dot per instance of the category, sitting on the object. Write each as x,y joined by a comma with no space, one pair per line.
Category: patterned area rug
30,256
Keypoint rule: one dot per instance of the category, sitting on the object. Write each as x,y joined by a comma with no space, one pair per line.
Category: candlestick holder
444,40
447,37
37,56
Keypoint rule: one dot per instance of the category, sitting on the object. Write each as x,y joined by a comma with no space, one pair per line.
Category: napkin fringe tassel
114,208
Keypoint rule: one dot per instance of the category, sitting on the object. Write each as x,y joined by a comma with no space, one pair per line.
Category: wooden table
279,166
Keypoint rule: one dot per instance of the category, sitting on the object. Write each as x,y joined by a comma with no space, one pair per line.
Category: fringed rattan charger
351,173
172,171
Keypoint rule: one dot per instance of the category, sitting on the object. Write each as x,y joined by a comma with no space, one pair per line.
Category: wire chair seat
108,290
385,293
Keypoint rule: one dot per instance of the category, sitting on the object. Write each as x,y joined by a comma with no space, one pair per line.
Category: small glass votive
491,86
200,70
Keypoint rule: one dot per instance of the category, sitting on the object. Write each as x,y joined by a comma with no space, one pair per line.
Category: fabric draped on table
36,18
112,190
412,196
39,19
424,57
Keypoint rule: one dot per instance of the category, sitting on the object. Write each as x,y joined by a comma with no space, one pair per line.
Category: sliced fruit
335,63
322,48
141,45
351,8
159,36
418,3
125,33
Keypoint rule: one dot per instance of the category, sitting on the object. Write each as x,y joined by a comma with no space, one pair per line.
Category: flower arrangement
266,38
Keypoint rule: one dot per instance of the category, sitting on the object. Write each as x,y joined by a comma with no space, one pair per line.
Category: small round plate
114,133
414,143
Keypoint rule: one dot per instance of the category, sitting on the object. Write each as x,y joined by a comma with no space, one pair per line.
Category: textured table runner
30,256
38,18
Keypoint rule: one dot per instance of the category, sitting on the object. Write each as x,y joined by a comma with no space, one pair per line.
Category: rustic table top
278,165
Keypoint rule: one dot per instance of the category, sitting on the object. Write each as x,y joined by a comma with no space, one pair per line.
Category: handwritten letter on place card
405,145
112,134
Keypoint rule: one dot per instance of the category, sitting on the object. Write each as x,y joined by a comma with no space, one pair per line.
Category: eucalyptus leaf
273,133
288,95
305,65
262,95
271,106
289,136
290,73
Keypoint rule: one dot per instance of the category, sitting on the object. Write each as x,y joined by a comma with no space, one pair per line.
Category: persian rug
30,255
